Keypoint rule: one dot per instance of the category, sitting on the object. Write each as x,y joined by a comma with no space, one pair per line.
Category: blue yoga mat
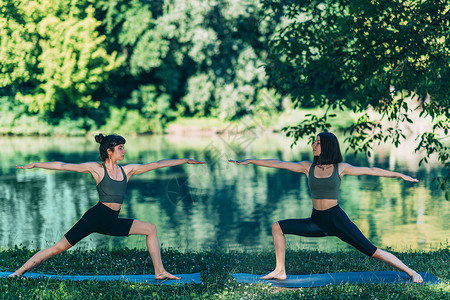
315,280
150,279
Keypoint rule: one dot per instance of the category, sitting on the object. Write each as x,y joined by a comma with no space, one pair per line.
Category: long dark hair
108,142
330,152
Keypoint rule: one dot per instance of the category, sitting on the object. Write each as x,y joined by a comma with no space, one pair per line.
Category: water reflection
218,204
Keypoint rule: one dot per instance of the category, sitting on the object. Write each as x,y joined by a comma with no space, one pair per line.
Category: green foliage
15,120
88,62
150,114
206,55
53,56
385,60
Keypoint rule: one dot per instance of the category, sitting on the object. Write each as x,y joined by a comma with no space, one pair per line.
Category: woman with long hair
327,218
111,180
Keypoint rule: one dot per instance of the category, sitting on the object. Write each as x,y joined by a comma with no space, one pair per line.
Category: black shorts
330,222
100,219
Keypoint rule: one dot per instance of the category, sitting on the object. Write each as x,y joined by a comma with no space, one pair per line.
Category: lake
219,204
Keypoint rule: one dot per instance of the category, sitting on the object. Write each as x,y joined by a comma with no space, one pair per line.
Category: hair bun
99,138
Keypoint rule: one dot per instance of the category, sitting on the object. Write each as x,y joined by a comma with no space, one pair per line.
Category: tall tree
138,60
53,59
206,55
388,57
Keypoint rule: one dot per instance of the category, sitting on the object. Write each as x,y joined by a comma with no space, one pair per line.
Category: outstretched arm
348,169
301,167
135,169
57,165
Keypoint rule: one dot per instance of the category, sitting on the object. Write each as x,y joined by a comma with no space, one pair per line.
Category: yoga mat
315,280
150,279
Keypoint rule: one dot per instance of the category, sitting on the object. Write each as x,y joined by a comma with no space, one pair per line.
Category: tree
53,59
383,59
205,54
88,62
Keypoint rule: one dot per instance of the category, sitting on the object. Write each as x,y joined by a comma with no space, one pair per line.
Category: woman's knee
276,228
150,229
142,228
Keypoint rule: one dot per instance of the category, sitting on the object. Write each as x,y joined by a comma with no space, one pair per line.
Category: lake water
218,204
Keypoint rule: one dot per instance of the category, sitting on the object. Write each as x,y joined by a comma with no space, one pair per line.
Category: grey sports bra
110,190
324,188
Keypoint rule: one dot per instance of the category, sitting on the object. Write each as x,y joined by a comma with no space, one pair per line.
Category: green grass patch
215,266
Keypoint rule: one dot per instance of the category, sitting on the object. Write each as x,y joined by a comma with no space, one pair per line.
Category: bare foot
416,277
276,274
165,275
14,275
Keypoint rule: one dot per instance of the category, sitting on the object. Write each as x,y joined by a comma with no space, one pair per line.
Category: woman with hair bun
327,218
111,180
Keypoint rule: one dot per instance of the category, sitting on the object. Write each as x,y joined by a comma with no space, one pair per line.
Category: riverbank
191,126
215,266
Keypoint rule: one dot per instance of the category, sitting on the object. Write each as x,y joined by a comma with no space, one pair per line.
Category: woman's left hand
194,162
240,162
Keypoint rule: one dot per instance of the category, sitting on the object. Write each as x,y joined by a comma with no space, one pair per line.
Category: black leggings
100,219
330,222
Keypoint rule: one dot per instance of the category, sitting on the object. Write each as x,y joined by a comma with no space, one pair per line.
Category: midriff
113,206
324,204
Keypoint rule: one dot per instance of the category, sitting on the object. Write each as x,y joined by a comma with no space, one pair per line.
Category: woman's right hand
408,178
29,166
240,162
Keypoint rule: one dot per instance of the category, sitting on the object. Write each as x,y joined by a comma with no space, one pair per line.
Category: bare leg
393,261
149,230
43,255
279,243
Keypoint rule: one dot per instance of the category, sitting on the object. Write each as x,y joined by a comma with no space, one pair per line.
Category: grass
215,266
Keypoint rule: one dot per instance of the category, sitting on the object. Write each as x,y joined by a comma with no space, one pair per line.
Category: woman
111,180
327,219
